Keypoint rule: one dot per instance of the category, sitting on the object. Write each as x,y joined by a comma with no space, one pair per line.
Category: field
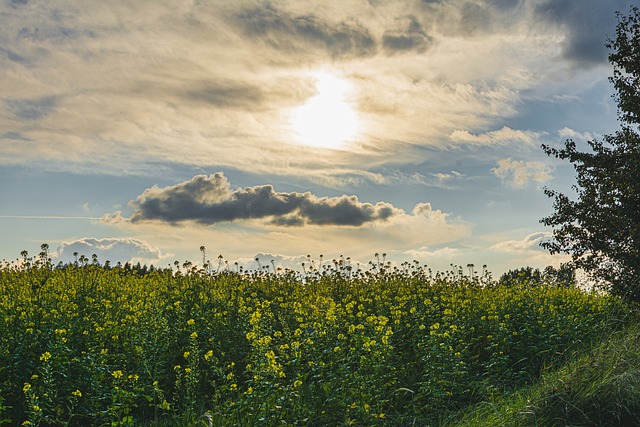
333,346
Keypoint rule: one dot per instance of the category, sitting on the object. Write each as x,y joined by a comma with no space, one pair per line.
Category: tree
564,276
525,276
601,229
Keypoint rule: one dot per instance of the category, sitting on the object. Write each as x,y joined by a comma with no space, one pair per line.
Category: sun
326,120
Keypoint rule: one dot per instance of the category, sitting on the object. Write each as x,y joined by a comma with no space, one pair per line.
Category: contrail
47,217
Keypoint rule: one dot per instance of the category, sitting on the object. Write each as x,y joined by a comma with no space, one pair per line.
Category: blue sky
140,131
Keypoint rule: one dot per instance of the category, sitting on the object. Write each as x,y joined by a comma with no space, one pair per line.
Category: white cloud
529,243
110,249
568,133
519,173
211,84
500,137
403,231
528,252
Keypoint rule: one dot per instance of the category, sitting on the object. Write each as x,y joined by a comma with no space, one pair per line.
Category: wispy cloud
89,218
527,251
101,80
528,243
501,137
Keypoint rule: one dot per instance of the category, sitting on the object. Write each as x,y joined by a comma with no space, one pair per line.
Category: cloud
440,256
519,173
213,84
32,109
568,133
472,19
584,22
295,33
260,219
529,243
527,251
113,250
209,200
412,38
503,136
226,94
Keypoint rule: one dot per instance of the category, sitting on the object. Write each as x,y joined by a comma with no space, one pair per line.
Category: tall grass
88,345
599,387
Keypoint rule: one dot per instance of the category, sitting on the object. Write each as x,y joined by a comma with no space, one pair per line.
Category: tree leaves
601,229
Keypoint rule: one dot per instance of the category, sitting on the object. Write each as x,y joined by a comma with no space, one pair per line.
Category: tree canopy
601,229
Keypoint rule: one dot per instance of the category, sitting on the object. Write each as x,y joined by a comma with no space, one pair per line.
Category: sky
289,130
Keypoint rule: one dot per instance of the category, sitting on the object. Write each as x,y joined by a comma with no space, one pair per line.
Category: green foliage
529,276
88,345
600,387
601,230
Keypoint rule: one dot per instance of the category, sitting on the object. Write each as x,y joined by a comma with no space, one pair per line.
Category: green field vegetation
85,344
599,387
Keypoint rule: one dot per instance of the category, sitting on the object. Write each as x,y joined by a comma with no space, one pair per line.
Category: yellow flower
117,374
45,356
186,354
77,393
26,387
208,355
191,322
297,383
194,335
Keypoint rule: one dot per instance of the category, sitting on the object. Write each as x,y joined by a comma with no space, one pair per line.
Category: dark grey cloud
15,136
209,200
588,23
296,33
32,109
16,3
474,18
228,94
411,38
56,34
15,57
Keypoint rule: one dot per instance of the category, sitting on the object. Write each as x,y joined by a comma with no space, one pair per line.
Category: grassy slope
599,387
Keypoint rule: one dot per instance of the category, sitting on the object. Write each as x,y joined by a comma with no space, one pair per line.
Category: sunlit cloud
530,242
527,251
520,173
281,223
567,133
211,104
499,137
110,249
209,200
424,102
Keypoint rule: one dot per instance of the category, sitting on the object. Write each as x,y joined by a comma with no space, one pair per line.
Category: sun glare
327,119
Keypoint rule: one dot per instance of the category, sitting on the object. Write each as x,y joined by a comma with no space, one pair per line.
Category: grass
597,387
